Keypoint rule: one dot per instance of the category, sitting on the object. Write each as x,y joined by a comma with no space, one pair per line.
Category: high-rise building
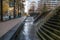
51,4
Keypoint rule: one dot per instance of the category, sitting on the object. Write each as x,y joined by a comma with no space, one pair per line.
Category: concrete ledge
12,32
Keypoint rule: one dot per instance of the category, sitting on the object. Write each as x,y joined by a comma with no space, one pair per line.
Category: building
50,4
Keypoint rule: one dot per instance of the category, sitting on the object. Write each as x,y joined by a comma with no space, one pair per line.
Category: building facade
50,4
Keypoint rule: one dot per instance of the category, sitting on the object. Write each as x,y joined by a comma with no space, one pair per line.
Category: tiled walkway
6,26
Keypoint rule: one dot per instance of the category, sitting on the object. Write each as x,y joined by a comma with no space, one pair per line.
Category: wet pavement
28,32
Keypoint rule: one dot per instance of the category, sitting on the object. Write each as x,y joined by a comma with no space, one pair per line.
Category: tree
57,10
44,10
5,7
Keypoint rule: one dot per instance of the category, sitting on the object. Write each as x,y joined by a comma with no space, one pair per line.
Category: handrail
45,19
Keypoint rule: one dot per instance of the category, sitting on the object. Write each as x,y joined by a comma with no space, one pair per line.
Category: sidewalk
8,25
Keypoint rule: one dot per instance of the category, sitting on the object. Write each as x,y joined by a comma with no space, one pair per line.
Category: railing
49,29
45,19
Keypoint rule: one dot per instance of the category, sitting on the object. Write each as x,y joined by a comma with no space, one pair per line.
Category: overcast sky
27,4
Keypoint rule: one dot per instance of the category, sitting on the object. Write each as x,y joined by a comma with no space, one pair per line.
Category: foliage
5,7
57,9
44,9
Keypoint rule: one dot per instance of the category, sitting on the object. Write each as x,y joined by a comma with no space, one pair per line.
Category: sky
27,4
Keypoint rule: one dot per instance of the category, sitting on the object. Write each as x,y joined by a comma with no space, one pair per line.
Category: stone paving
8,25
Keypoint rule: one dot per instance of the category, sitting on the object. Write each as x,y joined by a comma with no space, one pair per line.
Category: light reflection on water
27,28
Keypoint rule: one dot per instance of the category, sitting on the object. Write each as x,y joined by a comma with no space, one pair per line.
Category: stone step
50,33
54,23
47,37
55,20
57,17
40,36
57,32
53,26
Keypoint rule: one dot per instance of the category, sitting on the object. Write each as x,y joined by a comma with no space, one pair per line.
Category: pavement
8,25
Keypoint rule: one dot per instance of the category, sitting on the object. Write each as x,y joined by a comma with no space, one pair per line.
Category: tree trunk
1,1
